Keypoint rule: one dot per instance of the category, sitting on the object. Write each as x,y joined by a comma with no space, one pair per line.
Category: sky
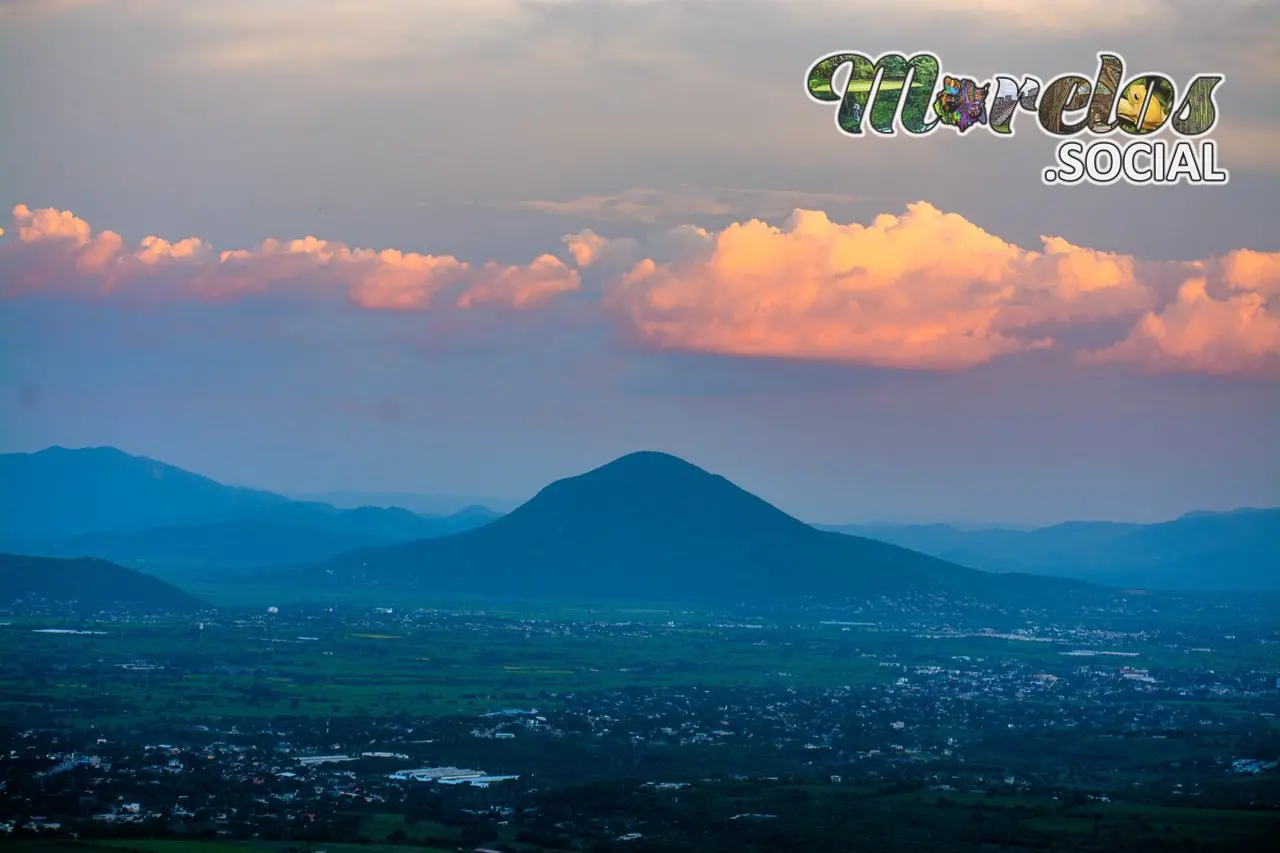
469,247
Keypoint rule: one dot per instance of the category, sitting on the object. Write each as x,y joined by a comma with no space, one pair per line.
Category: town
464,729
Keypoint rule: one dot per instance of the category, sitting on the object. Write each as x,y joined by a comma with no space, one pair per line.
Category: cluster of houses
449,776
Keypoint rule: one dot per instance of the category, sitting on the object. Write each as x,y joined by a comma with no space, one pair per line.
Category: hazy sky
471,246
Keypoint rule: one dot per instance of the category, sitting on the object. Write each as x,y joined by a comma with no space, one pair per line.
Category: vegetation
642,658
91,584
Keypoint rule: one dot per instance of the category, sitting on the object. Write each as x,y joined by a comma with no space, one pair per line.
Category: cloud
616,254
684,203
520,287
56,251
1247,270
932,291
585,247
923,290
1236,331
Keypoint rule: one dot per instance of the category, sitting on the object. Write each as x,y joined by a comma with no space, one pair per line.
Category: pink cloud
1247,270
520,287
584,246
931,290
1237,333
926,290
56,251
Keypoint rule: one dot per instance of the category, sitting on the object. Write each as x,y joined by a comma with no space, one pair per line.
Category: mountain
61,492
103,502
1237,550
650,526
242,543
933,539
91,584
423,504
476,512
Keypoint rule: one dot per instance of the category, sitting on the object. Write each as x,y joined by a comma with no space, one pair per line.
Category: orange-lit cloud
1247,270
585,247
520,287
1233,331
924,290
57,251
930,290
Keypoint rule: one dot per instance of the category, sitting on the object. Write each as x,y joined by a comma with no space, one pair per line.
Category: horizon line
308,494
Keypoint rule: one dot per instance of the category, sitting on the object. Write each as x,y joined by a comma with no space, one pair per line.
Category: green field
993,752
260,669
252,671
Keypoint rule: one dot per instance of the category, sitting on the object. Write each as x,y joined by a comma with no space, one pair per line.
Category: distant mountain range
646,526
652,527
424,504
1238,550
89,584
105,503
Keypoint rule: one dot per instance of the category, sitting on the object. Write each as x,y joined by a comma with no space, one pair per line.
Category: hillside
1237,550
90,584
61,492
423,504
244,543
651,526
103,502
